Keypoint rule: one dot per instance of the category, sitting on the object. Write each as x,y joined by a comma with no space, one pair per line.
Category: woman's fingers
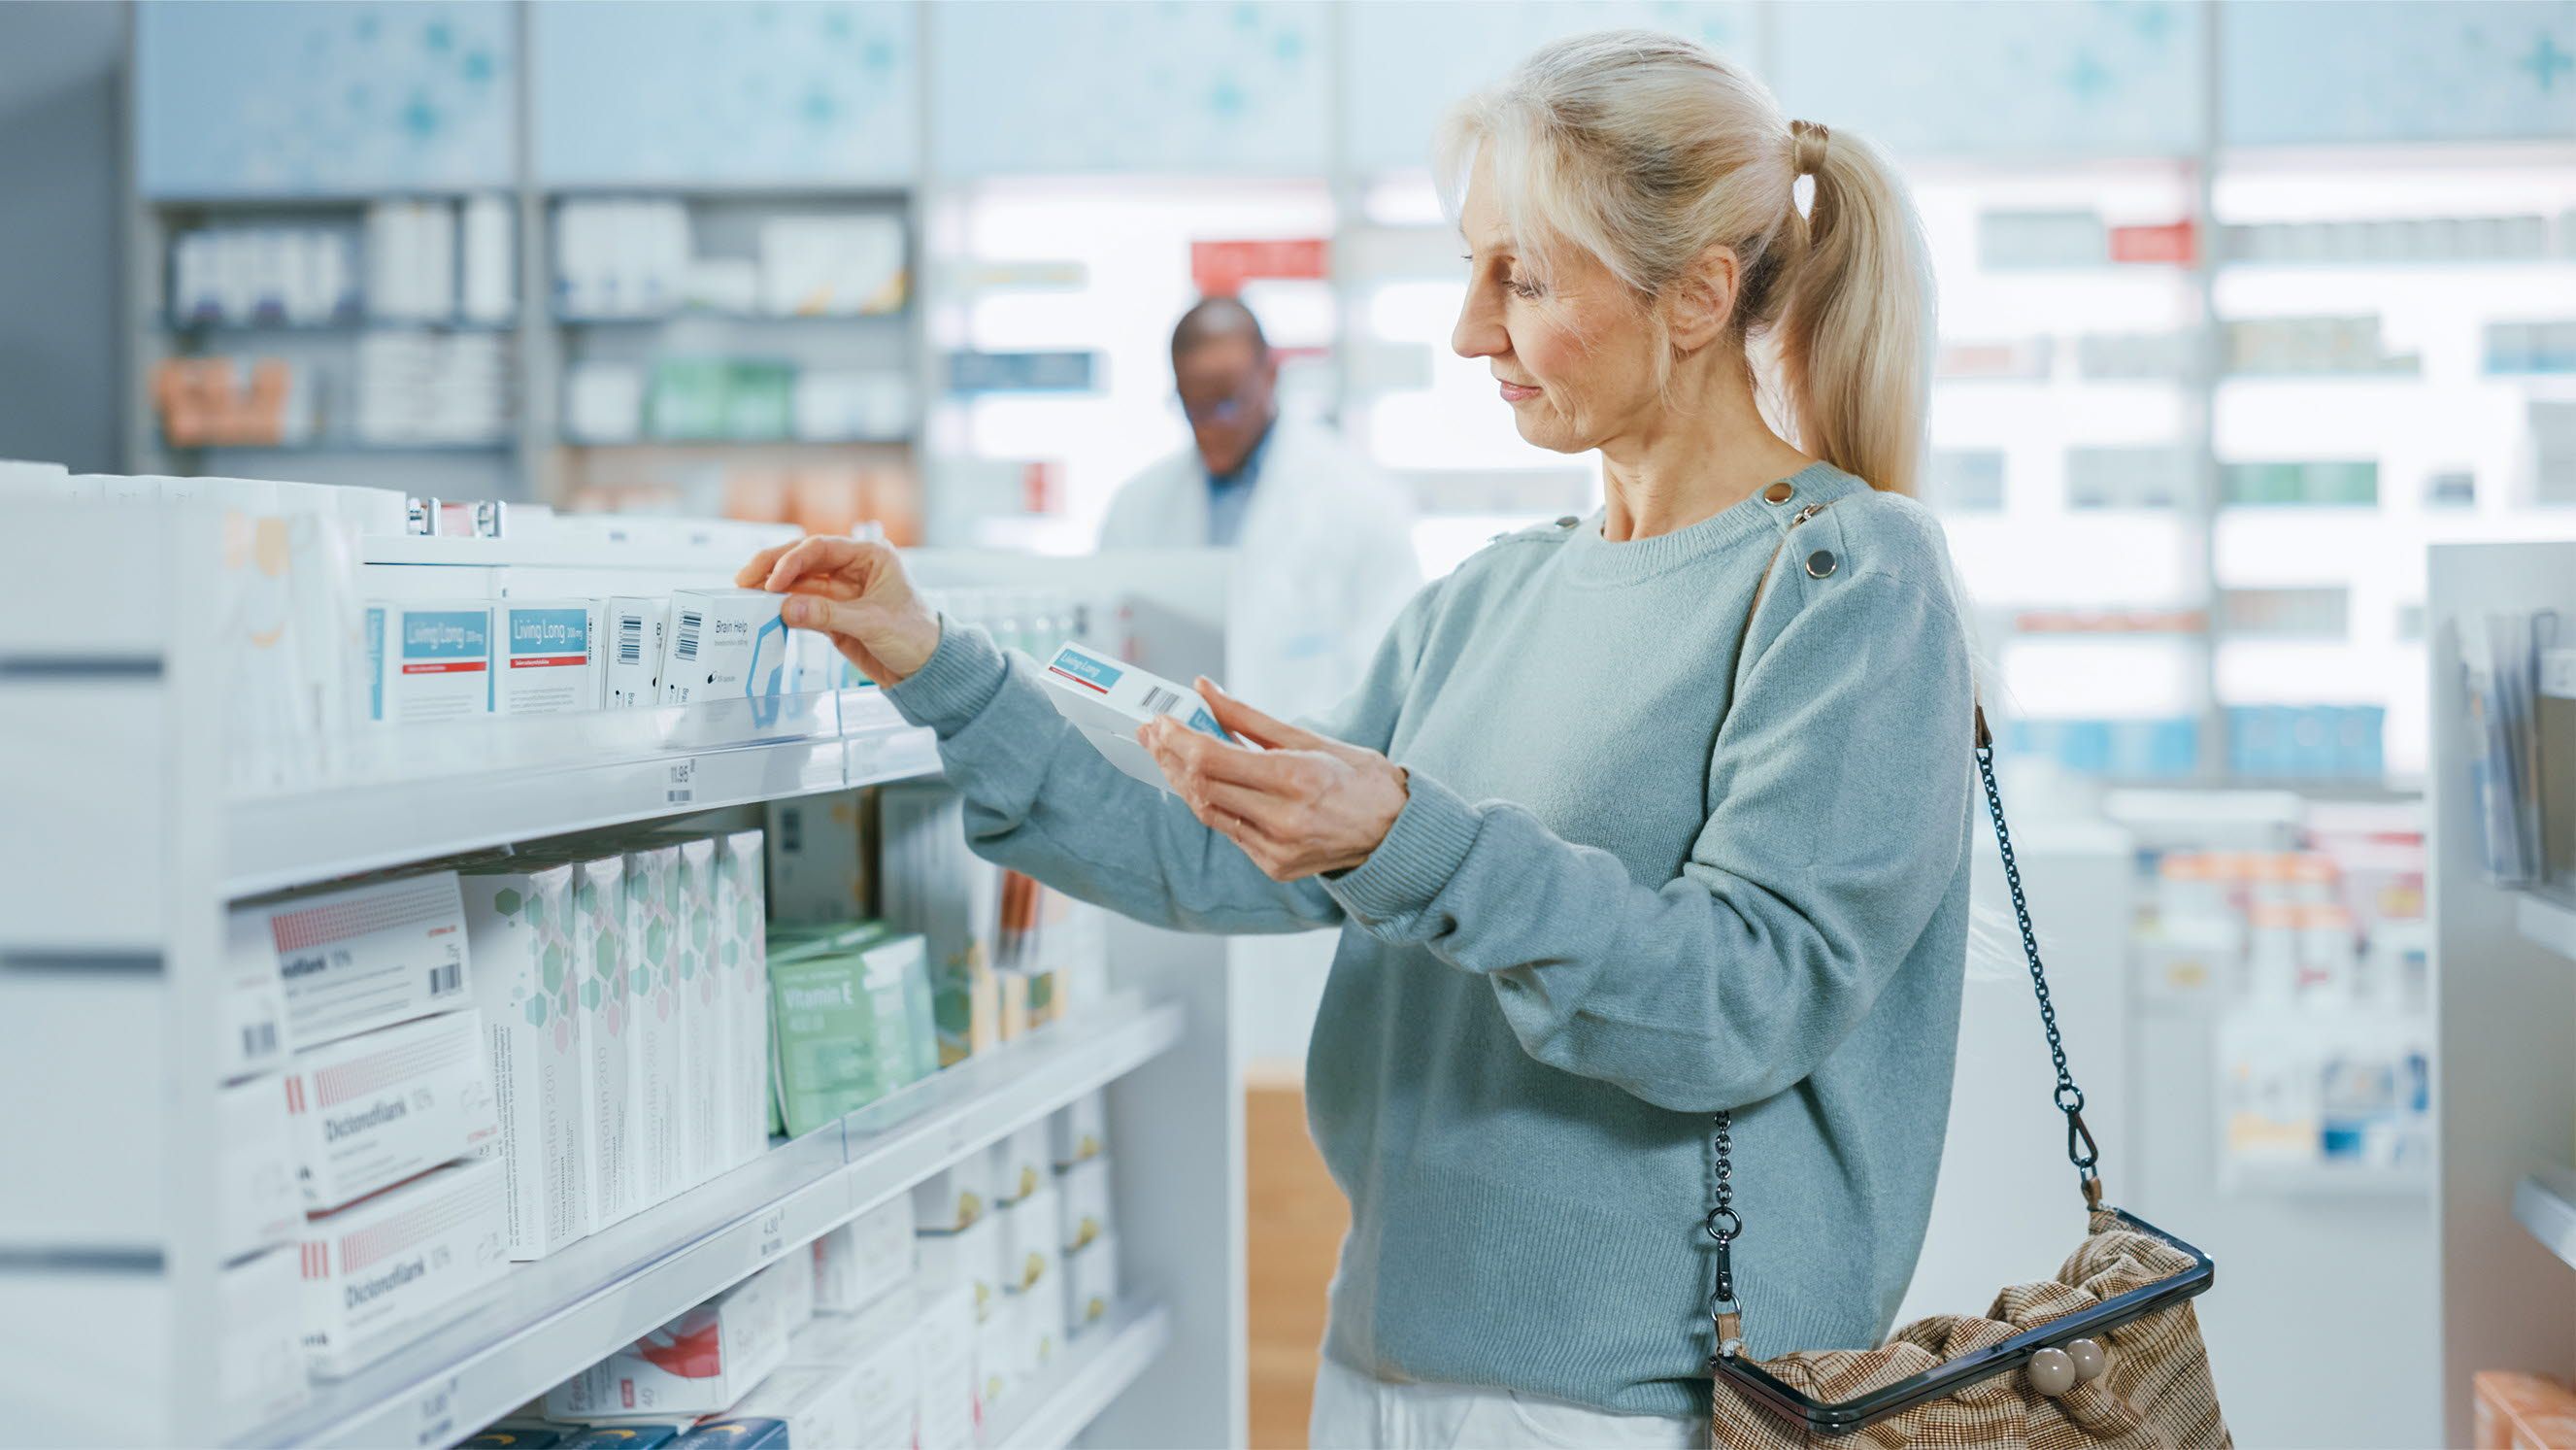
1252,724
1205,755
753,574
856,559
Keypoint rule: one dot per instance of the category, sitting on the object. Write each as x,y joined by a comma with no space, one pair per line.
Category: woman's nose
1479,332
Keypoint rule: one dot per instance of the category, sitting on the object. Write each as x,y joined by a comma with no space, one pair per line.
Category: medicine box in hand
727,644
1109,700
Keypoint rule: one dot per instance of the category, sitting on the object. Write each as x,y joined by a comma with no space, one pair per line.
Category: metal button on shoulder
1821,563
1567,522
1778,493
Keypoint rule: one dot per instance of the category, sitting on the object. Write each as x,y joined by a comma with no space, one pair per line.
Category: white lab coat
1323,563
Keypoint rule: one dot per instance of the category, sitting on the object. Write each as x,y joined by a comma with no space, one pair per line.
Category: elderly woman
1637,819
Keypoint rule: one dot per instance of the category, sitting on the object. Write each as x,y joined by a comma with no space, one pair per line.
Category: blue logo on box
1086,669
549,631
446,634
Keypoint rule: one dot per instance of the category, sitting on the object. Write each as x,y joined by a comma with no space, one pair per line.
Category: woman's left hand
1301,806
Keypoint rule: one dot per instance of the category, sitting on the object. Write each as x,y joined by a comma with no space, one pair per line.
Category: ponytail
1855,333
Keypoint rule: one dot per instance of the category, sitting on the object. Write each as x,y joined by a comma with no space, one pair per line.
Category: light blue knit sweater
1641,877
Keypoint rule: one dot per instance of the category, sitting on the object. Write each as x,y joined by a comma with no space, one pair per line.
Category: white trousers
1356,1412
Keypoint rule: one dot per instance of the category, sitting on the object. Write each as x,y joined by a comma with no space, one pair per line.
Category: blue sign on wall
1021,372
1406,62
327,98
1975,78
2403,70
1131,85
715,92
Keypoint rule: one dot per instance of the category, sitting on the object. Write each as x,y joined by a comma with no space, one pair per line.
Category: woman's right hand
854,593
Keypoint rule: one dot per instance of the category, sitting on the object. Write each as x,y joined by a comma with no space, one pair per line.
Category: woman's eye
1525,290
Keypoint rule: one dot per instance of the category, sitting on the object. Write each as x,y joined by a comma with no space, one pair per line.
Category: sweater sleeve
1839,789
1040,800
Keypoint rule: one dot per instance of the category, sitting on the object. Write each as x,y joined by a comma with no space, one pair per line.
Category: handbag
2109,1353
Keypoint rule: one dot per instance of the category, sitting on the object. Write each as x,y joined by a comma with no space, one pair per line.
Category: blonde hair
1646,150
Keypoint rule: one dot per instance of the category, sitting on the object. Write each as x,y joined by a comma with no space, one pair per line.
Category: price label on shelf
435,1423
773,1233
682,788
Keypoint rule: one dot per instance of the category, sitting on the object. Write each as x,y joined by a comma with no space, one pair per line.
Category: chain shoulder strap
1725,1225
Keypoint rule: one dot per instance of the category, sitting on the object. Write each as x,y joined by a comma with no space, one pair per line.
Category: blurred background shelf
2545,1203
2548,921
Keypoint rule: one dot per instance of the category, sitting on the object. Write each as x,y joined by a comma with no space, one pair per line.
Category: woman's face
1574,356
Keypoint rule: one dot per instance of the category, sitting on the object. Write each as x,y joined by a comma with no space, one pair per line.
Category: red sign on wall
1219,269
2170,243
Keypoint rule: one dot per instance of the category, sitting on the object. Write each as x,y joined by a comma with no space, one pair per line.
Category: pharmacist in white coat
1323,542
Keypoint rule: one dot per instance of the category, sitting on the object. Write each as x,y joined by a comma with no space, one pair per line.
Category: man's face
1225,386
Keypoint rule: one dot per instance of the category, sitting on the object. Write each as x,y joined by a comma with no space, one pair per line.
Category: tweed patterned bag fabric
2155,1393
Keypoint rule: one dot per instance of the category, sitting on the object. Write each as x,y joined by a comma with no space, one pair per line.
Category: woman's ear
1704,299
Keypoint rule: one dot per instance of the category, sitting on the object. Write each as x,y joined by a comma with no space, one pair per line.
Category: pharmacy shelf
2545,1203
336,326
431,791
2325,1181
550,1319
897,316
2550,923
1094,1370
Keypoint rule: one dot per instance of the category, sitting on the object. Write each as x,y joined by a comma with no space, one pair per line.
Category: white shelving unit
135,842
2550,923
2545,1203
2505,1022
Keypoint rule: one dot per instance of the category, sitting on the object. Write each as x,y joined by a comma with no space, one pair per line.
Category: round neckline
1593,559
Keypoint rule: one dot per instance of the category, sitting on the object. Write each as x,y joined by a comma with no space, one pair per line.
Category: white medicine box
429,660
1091,1283
1030,1247
637,635
1020,1165
357,959
548,662
865,1259
257,1202
818,859
370,1111
1110,700
699,1363
1083,1189
527,986
970,1259
727,644
1079,1129
375,1270
956,1196
943,1339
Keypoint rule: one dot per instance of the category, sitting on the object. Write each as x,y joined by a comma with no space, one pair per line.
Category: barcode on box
446,979
630,640
690,620
259,1041
1160,701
